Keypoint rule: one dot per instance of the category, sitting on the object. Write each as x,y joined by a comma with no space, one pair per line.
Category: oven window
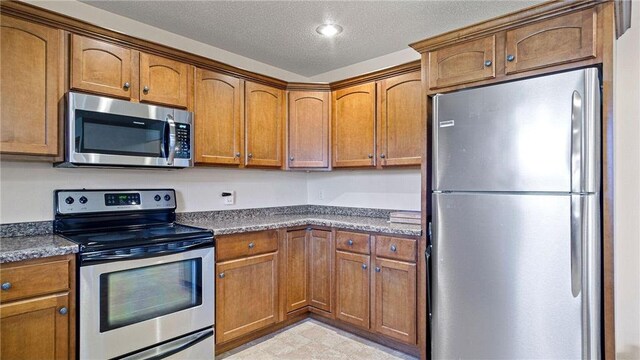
131,296
119,135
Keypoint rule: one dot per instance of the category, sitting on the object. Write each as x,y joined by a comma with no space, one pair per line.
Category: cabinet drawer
34,279
352,242
555,41
396,248
463,63
239,245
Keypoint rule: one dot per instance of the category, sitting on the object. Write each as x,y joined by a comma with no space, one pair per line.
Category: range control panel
92,201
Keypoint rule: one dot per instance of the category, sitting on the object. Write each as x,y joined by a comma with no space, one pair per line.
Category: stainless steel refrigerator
516,237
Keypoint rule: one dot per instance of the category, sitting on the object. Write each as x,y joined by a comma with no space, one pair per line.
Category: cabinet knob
377,269
251,245
237,154
350,242
382,156
63,310
510,58
393,248
126,86
488,63
221,275
145,89
250,155
370,156
291,158
364,266
6,286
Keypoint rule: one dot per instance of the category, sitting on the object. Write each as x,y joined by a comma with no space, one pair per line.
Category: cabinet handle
251,245
221,275
63,310
370,156
291,158
250,155
350,242
510,58
382,156
393,248
6,286
488,63
377,269
364,266
237,154
126,86
145,90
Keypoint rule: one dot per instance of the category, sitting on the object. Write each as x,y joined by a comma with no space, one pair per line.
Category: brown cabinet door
264,125
246,295
296,270
163,81
394,302
352,288
400,120
36,328
30,87
308,129
462,63
218,119
100,67
320,270
555,41
354,119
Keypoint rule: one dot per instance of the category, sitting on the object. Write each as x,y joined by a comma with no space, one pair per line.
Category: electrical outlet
321,195
229,197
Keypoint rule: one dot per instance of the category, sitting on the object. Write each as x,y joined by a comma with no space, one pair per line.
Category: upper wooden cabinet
308,129
218,118
463,63
400,120
558,40
103,68
264,120
163,81
354,126
31,86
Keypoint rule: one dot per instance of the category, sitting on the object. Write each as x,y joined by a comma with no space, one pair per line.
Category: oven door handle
170,348
111,255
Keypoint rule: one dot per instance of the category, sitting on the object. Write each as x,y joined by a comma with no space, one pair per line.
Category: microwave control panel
183,141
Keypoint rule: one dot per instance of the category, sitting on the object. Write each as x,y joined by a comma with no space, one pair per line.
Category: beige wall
627,190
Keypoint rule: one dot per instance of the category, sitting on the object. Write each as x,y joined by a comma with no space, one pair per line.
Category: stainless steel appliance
516,220
101,131
145,286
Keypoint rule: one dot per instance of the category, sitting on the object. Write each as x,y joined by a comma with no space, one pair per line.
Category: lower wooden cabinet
38,322
246,295
394,301
320,270
297,260
352,288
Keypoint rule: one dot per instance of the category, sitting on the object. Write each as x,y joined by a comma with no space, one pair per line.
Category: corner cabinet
218,119
400,120
297,269
321,261
353,126
37,310
31,87
308,129
264,125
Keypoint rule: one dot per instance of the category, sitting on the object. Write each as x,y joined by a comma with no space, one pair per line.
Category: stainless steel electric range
145,284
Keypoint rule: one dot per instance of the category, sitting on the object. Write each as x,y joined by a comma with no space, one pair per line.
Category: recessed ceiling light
329,30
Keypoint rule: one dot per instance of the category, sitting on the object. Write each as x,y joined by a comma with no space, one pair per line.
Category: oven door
104,131
129,305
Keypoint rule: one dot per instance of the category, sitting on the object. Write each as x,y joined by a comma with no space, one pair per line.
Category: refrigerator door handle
577,148
427,256
591,284
576,244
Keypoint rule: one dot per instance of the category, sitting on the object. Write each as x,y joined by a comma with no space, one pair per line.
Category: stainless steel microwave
101,131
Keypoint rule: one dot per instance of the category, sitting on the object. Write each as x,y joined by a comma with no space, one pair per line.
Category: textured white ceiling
282,33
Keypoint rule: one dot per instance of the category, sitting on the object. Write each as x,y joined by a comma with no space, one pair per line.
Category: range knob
69,200
83,200
157,198
167,197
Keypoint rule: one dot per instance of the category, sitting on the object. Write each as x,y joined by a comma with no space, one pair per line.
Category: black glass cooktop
121,238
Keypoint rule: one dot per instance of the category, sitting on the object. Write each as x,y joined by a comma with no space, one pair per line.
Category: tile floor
311,339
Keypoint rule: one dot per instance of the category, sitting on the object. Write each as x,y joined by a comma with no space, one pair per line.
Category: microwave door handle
172,139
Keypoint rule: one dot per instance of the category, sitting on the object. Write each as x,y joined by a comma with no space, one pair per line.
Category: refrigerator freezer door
539,135
502,278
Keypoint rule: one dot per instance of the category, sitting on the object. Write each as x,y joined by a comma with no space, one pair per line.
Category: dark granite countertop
33,247
359,223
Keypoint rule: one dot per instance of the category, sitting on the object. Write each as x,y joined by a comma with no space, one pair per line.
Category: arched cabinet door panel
163,81
264,124
354,120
